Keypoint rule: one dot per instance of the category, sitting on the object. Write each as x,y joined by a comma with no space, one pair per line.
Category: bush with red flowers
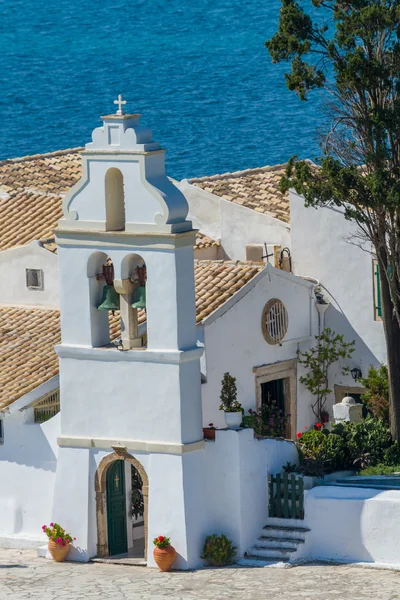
162,541
57,534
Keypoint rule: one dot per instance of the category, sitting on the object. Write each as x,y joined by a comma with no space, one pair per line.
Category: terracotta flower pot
164,557
208,433
58,552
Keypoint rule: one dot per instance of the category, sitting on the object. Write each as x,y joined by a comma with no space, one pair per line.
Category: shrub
218,550
57,534
349,446
269,421
228,397
381,470
376,398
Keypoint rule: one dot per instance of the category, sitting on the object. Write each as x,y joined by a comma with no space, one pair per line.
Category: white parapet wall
351,524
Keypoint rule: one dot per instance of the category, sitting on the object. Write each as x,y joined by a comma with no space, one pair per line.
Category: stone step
272,555
284,532
281,540
256,561
284,543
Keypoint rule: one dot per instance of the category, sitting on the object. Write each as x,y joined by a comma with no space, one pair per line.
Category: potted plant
218,550
209,432
233,410
59,541
324,416
164,554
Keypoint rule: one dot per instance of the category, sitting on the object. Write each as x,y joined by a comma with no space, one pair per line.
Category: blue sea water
197,70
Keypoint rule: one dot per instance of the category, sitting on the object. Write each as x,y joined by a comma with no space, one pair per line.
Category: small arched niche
115,200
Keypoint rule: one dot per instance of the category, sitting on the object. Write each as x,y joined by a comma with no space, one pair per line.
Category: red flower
318,426
161,538
298,435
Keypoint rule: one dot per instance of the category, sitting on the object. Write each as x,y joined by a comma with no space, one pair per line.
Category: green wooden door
116,509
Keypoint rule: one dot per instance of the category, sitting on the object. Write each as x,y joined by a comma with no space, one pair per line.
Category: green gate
116,509
286,496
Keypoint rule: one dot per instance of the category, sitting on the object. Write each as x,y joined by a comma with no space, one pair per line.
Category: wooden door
116,509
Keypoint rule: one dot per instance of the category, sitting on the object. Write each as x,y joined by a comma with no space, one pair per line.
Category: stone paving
24,576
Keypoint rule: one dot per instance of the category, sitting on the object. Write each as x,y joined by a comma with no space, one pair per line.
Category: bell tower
125,243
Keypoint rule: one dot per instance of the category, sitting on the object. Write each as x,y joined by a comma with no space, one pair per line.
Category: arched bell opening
133,301
122,488
115,200
105,301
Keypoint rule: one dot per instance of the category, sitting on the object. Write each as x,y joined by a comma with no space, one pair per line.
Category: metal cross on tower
120,103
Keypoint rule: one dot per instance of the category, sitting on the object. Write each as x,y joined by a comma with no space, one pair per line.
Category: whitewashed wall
28,460
321,249
234,341
233,225
354,524
13,265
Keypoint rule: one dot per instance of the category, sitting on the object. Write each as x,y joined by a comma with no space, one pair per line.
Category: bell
140,297
110,299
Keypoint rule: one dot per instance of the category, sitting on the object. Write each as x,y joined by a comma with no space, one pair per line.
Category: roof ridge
236,263
233,174
44,155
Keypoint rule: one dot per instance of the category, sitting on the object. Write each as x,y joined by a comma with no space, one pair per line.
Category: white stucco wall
13,264
354,524
321,249
235,343
233,225
28,460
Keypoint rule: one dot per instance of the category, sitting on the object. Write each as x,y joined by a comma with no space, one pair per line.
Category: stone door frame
286,370
101,498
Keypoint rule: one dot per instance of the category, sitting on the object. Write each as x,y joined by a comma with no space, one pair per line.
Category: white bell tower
140,399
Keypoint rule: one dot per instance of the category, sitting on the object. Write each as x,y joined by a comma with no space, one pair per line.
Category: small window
1,432
274,321
34,279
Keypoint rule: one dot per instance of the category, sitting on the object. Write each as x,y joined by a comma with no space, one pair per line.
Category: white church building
102,414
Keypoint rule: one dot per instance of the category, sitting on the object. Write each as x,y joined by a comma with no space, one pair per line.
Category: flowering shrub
269,421
162,541
57,534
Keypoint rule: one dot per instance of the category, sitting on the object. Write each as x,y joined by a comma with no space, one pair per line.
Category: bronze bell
140,297
110,299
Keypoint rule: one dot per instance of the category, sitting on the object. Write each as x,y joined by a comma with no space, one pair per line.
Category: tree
351,50
376,397
329,349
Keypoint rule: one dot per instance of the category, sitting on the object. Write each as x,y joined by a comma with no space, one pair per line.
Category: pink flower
58,540
51,524
74,538
44,528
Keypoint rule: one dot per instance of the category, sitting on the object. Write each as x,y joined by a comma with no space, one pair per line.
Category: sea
197,70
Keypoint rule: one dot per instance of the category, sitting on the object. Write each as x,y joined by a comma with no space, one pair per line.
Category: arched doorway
118,504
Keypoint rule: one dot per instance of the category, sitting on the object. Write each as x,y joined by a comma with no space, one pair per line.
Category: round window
274,321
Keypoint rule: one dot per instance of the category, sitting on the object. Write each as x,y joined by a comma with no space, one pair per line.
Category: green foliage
329,349
376,398
218,550
228,397
162,541
269,421
381,470
290,468
348,446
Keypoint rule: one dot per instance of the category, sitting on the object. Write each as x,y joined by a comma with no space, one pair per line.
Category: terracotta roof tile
28,336
27,356
257,189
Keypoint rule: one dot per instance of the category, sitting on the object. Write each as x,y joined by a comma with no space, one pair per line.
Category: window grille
47,407
274,321
34,279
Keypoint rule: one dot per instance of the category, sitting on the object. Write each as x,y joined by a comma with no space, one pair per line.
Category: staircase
278,544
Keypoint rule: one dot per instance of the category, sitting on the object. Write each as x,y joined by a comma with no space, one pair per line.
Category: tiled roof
28,336
257,189
31,192
27,356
